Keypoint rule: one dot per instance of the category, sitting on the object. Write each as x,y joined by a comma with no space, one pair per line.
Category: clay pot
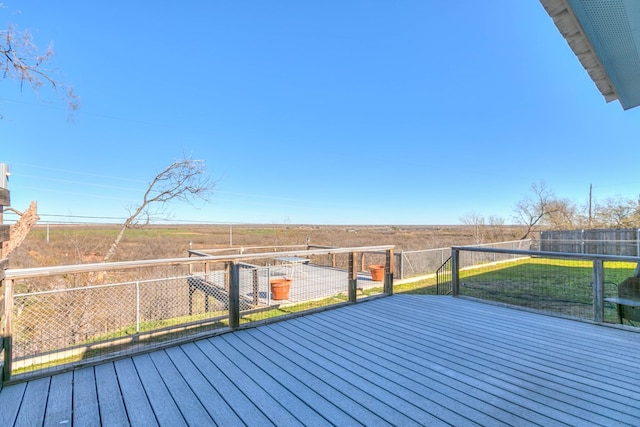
280,288
377,272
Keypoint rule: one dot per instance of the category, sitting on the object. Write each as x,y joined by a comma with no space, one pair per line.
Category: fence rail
567,284
66,316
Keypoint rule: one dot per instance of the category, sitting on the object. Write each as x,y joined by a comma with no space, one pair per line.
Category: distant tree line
542,209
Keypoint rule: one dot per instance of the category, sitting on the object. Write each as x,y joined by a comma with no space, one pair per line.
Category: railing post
388,270
137,307
256,287
6,309
598,291
233,272
7,330
455,272
353,277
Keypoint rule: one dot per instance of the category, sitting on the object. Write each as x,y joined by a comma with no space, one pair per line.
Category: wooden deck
403,360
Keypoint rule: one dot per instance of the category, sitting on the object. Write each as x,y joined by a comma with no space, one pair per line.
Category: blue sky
314,112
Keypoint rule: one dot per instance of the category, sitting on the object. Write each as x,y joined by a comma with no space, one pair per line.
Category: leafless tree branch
184,180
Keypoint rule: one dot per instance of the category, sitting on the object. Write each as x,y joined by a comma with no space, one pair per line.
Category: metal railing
67,316
566,284
428,261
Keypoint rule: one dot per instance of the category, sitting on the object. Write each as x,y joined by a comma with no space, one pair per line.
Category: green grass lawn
560,286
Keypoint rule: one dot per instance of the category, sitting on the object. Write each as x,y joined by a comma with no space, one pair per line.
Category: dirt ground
74,244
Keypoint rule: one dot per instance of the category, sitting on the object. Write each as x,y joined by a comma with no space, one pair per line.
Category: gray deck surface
402,360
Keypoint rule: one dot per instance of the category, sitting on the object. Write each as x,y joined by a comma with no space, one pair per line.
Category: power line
120,219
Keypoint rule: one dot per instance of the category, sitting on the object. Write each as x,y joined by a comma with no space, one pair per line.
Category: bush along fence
67,316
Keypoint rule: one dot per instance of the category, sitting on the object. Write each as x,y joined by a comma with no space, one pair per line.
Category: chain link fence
68,316
424,262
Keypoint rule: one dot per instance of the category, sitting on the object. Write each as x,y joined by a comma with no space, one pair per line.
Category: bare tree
20,60
184,180
532,210
477,224
617,212
21,228
563,214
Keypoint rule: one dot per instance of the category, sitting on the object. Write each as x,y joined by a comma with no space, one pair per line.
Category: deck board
34,401
289,409
10,400
192,410
112,408
134,396
402,360
84,390
203,388
165,409
60,400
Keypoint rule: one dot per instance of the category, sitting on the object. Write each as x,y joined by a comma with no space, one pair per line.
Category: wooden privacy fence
623,242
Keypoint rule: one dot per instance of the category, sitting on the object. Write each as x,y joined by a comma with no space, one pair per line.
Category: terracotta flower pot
377,272
280,288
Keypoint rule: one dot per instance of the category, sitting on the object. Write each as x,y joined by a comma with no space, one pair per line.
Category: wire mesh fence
79,315
559,285
424,262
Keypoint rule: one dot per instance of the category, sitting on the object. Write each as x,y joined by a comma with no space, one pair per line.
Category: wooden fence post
598,290
455,272
388,269
6,286
353,277
233,273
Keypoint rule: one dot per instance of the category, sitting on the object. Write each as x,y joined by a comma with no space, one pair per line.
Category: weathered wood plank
516,367
290,368
34,402
363,392
433,392
430,363
10,399
416,408
241,343
334,390
112,409
245,409
276,402
86,411
165,409
5,197
181,393
133,394
203,388
59,403
444,361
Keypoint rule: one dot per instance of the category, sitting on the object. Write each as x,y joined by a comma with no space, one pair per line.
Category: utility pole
590,202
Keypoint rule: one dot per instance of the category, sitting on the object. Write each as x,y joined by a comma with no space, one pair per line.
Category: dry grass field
76,244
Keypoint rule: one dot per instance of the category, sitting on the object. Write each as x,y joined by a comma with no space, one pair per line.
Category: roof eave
567,23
